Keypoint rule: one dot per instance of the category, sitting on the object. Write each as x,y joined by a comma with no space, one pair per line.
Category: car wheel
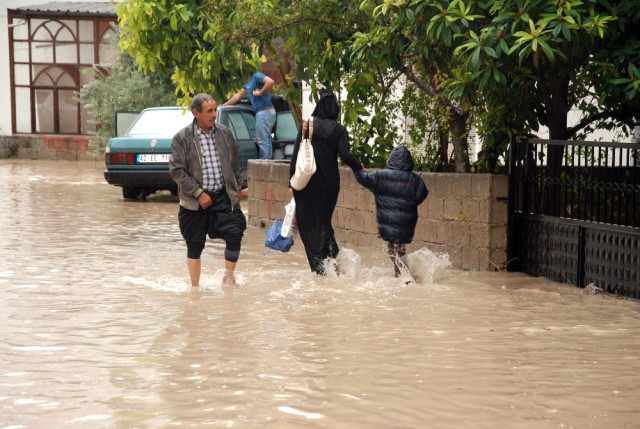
128,192
141,194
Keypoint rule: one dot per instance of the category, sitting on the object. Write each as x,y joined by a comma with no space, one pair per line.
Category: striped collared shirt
211,168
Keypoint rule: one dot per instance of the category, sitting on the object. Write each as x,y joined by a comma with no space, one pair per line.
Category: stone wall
56,147
465,215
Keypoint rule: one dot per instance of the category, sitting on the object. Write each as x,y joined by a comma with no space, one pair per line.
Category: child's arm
368,180
421,191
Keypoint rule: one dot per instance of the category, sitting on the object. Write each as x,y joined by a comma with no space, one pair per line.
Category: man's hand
205,200
268,84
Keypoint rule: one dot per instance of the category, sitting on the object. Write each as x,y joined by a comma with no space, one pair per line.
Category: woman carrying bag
316,202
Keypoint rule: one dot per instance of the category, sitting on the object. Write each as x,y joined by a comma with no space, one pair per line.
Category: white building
44,47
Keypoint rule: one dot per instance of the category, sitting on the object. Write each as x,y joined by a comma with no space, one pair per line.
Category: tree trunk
458,129
443,149
557,109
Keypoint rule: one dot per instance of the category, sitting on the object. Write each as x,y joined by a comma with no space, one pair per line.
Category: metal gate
574,213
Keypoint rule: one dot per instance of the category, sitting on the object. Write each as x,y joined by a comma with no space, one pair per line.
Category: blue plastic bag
275,240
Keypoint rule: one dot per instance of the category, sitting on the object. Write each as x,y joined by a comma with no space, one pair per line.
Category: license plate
144,158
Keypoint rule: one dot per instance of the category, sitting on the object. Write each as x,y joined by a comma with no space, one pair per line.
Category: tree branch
589,120
416,81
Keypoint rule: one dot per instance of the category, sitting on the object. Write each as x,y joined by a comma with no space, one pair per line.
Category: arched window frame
66,115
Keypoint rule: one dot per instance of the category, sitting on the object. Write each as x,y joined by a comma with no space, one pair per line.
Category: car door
242,124
285,133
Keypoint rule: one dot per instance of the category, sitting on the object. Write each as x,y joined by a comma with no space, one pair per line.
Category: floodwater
100,329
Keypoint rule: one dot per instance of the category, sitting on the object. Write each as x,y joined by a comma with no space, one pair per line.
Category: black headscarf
327,107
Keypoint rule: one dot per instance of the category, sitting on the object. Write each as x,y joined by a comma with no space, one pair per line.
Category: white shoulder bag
306,161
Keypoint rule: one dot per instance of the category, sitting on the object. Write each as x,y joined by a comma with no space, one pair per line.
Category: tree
506,66
120,86
567,52
212,46
524,62
201,45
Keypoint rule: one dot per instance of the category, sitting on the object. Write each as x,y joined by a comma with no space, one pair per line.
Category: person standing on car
204,164
316,202
258,89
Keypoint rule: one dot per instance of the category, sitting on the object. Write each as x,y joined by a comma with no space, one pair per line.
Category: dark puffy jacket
398,192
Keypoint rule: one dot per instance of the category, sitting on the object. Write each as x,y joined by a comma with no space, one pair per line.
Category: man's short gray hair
199,99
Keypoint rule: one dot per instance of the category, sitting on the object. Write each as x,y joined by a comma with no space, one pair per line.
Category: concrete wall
465,215
58,147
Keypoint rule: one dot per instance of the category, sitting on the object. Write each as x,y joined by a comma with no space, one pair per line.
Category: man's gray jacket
185,164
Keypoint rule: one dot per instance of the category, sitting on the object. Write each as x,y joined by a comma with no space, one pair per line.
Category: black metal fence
575,213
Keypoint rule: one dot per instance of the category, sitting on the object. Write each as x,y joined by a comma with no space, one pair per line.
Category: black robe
316,202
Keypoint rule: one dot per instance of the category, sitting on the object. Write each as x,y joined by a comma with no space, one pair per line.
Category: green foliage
120,86
503,66
191,41
566,51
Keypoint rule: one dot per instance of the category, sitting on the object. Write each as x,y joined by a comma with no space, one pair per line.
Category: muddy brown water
100,329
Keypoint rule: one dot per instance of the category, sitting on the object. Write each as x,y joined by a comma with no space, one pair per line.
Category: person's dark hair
199,99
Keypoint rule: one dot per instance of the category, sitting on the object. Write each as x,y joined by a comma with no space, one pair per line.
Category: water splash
425,266
348,262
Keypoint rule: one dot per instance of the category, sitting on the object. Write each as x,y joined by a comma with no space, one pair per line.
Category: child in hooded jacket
398,191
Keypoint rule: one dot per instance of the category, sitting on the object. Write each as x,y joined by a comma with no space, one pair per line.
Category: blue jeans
265,120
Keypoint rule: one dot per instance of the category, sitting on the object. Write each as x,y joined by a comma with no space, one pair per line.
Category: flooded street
100,329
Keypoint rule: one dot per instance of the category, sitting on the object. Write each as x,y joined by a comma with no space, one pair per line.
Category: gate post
582,244
513,262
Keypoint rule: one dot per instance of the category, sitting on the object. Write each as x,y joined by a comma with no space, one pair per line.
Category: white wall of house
5,77
599,135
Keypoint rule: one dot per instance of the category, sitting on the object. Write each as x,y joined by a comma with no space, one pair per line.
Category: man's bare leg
194,266
229,278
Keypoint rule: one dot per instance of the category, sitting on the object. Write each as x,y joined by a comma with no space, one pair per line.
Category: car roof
235,107
223,107
165,108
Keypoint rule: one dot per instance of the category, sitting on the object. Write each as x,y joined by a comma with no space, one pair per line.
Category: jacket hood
400,159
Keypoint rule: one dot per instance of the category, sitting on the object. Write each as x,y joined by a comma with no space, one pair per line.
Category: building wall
5,79
55,147
465,215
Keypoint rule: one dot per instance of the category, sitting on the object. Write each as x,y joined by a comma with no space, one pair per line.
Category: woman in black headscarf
316,202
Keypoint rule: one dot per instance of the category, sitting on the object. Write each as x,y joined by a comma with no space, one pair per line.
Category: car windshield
160,122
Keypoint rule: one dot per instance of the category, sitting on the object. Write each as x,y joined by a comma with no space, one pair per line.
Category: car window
286,127
124,119
162,122
251,123
242,124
